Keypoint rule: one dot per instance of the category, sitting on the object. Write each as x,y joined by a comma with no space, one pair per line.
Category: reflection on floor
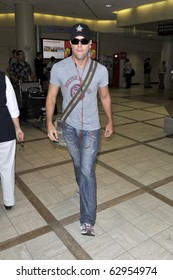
135,190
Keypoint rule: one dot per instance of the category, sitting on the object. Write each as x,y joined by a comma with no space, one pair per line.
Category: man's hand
52,133
108,130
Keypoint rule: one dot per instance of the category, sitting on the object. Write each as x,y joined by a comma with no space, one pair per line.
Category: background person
128,72
147,72
39,69
82,127
21,72
9,131
161,74
13,59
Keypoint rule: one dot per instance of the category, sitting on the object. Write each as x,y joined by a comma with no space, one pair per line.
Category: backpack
133,72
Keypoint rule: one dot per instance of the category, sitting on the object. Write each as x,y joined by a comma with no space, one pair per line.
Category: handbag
76,98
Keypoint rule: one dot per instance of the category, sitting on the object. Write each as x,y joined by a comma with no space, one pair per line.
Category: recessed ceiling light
108,5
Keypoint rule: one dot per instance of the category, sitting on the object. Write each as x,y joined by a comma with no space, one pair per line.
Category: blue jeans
83,147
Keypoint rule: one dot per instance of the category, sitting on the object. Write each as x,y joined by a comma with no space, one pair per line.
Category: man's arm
106,103
50,107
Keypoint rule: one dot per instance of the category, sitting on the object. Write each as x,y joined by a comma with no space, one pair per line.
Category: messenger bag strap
79,94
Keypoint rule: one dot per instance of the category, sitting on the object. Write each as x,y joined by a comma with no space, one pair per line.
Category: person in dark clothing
128,72
39,68
9,131
147,71
161,74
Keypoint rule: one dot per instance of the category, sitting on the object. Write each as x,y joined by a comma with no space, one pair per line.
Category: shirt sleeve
55,75
103,75
11,99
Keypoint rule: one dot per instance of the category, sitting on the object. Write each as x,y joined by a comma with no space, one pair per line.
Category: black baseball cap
80,29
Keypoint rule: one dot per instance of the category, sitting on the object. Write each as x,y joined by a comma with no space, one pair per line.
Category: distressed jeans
83,147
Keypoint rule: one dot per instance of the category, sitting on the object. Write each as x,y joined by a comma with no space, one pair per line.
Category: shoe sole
88,233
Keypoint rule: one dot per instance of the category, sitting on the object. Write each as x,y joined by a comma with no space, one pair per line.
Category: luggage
33,100
36,104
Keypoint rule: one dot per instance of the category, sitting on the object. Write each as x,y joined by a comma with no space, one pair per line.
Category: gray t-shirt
65,75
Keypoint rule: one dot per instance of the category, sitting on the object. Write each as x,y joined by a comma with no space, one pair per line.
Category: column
25,31
167,55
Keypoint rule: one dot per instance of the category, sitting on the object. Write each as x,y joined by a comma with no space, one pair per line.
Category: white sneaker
87,229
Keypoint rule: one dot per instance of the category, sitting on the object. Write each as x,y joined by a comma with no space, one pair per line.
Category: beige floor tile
147,201
114,142
149,224
159,173
130,170
64,209
129,210
123,187
128,236
32,178
39,187
122,107
125,256
146,166
109,219
66,179
103,247
114,163
145,178
69,189
139,104
157,122
150,250
165,144
140,132
165,239
22,165
164,212
20,208
45,247
27,222
166,190
51,172
106,193
117,120
157,109
7,230
137,115
107,178
66,255
52,197
18,252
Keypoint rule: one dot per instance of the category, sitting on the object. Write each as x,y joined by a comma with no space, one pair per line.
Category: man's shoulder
66,62
101,67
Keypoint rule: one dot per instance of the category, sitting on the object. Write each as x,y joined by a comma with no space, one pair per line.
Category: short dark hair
13,51
38,53
19,52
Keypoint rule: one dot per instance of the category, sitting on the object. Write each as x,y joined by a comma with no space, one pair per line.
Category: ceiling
86,9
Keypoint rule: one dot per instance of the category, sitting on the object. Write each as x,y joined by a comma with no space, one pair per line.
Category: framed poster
61,49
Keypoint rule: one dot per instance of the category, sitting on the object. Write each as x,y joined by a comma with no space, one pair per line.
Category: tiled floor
134,190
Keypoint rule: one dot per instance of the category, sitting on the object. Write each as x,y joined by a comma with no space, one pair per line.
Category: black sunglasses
76,41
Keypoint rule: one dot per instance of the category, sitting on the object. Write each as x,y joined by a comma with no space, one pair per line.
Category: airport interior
134,167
